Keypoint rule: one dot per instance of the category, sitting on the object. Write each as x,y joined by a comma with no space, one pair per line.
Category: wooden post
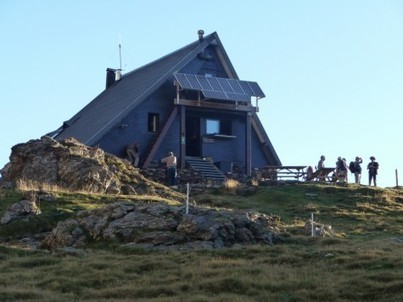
183,137
397,178
248,147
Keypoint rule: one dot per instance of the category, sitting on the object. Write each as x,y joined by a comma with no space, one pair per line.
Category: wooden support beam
183,137
160,138
248,153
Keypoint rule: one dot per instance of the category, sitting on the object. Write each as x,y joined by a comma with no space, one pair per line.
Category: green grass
363,262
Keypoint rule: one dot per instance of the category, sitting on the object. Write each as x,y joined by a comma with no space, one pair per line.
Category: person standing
357,169
341,169
372,167
170,162
133,153
321,165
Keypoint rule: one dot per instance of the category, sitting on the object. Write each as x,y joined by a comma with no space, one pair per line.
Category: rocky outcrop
74,166
163,226
22,210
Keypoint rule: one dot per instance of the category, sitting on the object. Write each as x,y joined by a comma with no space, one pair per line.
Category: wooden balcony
232,106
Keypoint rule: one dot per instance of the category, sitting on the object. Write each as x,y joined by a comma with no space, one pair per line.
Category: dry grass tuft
231,186
24,185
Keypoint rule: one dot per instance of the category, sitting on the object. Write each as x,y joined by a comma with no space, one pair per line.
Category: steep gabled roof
113,104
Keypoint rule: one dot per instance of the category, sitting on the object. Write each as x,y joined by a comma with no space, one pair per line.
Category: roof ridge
196,43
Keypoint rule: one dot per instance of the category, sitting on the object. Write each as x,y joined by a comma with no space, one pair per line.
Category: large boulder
159,225
74,166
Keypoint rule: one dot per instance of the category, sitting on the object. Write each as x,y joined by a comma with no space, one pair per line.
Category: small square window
153,122
212,126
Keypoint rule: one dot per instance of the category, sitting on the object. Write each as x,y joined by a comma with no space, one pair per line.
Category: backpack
351,167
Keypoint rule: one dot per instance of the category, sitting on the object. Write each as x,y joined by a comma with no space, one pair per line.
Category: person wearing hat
372,167
170,162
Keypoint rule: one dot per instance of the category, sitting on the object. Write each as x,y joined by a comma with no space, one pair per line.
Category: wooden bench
283,172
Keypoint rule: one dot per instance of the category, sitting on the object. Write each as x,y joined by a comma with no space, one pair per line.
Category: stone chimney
112,76
200,32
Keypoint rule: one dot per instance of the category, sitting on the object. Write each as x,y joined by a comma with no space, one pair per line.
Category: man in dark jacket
372,167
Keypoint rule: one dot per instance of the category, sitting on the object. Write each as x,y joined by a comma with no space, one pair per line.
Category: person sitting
309,173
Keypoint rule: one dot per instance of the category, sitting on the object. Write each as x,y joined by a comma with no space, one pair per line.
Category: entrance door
193,140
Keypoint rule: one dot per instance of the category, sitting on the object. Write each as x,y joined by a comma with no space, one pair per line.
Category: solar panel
215,85
220,88
238,97
215,95
204,82
194,83
224,84
246,88
235,86
256,89
183,82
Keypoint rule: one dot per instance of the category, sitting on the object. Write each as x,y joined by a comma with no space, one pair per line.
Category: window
153,122
223,127
212,126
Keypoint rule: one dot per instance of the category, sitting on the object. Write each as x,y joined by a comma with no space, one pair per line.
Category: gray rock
22,210
161,226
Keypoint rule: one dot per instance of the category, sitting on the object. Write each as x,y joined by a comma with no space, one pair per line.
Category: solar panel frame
220,88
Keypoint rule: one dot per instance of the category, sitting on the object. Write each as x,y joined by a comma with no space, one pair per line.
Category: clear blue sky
332,70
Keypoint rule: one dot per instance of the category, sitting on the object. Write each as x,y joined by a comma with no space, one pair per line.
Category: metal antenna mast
120,56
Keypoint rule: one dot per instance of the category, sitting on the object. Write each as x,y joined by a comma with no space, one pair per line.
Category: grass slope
363,262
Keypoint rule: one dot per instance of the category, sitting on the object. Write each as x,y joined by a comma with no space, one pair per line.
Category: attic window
153,122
